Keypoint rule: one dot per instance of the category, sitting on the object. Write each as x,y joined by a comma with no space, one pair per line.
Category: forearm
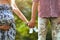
19,14
34,9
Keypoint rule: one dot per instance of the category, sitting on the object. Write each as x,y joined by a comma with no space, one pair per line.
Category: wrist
33,20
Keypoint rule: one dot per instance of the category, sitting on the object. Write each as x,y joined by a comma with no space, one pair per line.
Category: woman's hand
4,27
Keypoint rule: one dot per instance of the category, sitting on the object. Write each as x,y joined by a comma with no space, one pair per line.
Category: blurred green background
22,30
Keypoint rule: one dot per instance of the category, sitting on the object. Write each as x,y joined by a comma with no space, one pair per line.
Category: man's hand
31,23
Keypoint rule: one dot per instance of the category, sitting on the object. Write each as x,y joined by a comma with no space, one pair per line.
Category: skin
14,9
32,22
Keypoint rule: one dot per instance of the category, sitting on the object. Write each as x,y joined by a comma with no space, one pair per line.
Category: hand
31,23
4,27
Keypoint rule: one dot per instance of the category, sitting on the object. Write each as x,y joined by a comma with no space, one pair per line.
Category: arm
33,16
34,9
17,11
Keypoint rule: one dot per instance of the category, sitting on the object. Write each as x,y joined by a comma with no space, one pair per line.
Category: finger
31,26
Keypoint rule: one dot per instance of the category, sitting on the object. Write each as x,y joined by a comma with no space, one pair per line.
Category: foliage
22,30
